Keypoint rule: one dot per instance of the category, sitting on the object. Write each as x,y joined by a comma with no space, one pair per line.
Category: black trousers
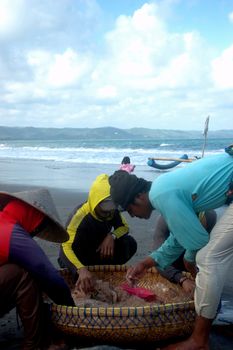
125,247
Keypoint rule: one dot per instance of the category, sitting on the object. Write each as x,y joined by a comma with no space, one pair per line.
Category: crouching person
25,270
98,235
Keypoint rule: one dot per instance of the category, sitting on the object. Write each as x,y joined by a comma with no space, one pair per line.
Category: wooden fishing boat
183,159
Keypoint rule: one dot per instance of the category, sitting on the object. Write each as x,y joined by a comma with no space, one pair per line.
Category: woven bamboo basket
123,325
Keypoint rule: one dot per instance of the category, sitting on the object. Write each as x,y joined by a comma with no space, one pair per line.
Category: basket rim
129,311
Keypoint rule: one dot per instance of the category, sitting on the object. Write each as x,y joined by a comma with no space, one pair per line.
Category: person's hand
134,273
190,267
106,248
188,285
85,282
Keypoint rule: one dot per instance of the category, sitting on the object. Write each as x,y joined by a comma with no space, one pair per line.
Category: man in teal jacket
179,195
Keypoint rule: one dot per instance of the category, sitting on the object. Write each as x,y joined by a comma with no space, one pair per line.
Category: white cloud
58,70
58,62
67,69
230,16
12,16
223,69
22,93
107,91
135,41
144,56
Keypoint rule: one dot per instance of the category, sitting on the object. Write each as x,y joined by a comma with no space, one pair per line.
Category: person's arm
106,248
25,252
120,226
134,273
170,273
119,229
132,167
85,281
161,232
167,253
182,221
71,260
176,276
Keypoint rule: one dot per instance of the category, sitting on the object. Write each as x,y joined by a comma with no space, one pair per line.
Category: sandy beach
142,230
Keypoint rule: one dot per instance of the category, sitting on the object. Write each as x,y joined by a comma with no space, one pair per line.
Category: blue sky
164,64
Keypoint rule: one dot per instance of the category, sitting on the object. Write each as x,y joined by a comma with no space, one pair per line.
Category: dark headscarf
125,160
125,187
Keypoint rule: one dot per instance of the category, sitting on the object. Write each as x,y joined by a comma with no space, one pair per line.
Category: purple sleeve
25,252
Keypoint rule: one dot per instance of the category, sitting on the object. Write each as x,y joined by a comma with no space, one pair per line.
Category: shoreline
60,175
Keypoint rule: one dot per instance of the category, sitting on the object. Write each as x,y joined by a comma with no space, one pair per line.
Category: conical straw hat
41,200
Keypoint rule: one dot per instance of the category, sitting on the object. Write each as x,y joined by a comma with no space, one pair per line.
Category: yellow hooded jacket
86,230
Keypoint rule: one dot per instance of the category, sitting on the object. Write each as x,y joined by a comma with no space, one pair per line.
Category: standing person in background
25,270
126,165
179,195
98,235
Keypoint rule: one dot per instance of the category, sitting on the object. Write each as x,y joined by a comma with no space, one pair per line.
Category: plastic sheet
140,292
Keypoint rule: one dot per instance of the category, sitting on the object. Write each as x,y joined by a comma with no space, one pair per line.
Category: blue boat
151,162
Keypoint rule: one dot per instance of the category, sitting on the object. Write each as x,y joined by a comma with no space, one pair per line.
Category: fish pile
107,295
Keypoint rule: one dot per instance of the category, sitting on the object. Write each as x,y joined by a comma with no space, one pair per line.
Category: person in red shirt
25,270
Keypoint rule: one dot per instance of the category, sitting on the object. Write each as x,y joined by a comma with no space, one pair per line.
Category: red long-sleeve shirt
18,222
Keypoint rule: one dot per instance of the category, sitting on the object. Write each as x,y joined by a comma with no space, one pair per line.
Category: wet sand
142,230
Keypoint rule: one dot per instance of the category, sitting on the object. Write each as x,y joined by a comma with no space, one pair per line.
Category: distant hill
104,133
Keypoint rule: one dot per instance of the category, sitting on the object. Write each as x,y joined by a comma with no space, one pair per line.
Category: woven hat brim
54,231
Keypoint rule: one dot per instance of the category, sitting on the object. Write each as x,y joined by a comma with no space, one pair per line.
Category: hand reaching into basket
85,282
134,273
188,285
191,268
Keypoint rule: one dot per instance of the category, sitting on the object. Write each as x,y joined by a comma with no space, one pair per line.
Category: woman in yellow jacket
98,235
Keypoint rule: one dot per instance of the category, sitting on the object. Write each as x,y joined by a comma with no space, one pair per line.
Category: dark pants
125,247
18,289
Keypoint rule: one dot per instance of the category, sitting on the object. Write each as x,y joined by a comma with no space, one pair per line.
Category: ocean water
107,151
74,164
